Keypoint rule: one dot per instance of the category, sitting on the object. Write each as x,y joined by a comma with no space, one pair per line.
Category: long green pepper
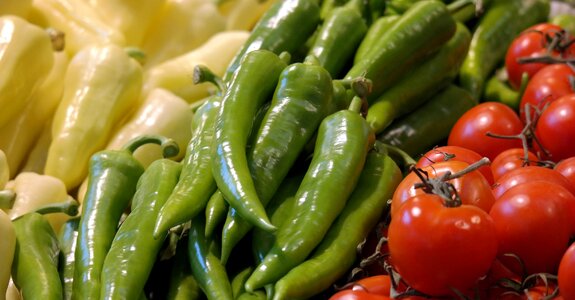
339,156
374,32
35,266
301,100
337,251
112,182
67,239
134,250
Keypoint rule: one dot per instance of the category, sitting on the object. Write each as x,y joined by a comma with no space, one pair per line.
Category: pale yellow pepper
103,85
243,14
4,170
19,8
13,293
175,74
81,24
7,246
25,61
36,160
20,134
131,17
34,191
181,26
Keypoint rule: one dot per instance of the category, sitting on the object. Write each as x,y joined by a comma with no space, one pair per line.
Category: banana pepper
181,26
7,247
78,20
25,60
36,160
4,170
19,135
175,74
243,14
19,8
103,85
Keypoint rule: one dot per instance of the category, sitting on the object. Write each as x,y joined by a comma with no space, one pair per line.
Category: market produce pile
287,149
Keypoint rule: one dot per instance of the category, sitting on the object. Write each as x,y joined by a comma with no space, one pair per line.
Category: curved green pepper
35,266
134,250
182,284
216,211
301,100
67,244
337,251
111,185
374,32
418,86
342,145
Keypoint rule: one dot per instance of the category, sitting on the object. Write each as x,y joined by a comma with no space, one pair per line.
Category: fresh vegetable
7,248
566,273
555,130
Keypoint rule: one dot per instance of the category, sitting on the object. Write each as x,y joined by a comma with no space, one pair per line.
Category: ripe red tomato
435,248
555,128
529,173
445,153
533,223
566,274
356,295
532,42
550,83
567,168
378,285
511,159
470,130
472,188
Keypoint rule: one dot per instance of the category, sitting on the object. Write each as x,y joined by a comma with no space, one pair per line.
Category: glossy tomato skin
566,167
566,274
470,130
555,128
378,285
550,83
458,153
529,173
532,42
472,188
434,247
356,295
511,159
532,223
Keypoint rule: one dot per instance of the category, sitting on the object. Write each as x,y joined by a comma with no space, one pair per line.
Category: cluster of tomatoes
492,214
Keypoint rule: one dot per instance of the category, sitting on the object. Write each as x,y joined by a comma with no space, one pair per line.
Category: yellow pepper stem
7,198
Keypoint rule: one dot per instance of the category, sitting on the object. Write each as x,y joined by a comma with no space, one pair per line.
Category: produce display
287,149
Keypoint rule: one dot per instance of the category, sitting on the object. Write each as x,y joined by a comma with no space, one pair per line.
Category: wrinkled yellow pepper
7,247
130,17
25,61
162,113
19,8
81,24
103,85
243,14
19,135
175,74
34,191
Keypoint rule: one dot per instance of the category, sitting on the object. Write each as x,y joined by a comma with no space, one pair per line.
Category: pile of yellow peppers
79,76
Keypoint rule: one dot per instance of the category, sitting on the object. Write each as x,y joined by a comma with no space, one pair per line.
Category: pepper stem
7,198
204,74
69,207
137,54
285,57
397,152
459,5
169,147
57,37
311,60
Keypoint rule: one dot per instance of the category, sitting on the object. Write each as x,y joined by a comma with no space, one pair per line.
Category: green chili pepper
374,32
216,211
239,279
337,251
339,36
499,91
182,284
285,26
67,244
430,123
251,86
342,145
565,21
133,251
419,32
465,12
257,295
196,183
301,100
497,28
111,185
327,6
35,266
207,268
419,85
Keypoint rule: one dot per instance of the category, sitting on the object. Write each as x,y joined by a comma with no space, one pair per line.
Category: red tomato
567,168
511,159
566,274
529,173
377,285
555,128
445,153
356,295
470,130
532,42
472,188
435,248
533,223
550,83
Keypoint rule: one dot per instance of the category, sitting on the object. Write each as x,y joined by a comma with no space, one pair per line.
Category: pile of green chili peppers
291,162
